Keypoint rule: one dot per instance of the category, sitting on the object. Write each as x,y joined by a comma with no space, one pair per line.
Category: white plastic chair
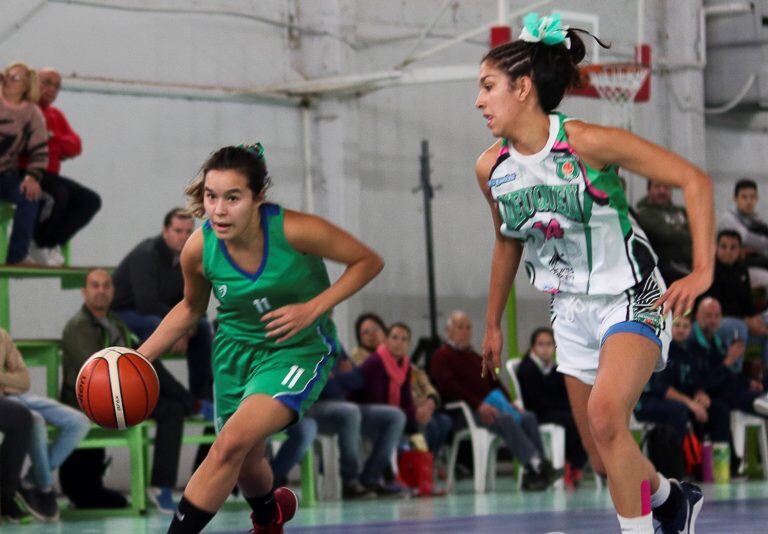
739,423
484,446
642,428
329,481
553,435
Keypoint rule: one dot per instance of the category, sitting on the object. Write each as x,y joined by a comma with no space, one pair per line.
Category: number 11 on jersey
262,305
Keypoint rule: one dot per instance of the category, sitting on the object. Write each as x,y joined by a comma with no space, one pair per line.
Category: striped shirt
23,131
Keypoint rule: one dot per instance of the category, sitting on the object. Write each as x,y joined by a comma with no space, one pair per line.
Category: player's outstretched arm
184,316
504,264
314,235
601,146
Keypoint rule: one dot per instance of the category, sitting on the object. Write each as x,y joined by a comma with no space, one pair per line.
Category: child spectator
543,391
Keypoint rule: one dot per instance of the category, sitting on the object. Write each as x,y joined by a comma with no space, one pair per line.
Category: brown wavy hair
247,160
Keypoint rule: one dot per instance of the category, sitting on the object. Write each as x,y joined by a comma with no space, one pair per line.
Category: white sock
636,525
661,495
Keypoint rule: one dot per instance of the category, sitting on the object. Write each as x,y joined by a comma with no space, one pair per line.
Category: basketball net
618,84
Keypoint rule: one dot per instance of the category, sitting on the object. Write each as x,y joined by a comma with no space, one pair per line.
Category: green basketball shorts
294,375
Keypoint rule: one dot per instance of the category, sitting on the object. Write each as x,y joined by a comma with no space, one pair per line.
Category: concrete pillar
686,86
333,126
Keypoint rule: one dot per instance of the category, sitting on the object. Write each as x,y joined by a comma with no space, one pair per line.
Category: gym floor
740,507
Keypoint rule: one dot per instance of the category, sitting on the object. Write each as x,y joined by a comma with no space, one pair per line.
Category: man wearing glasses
66,206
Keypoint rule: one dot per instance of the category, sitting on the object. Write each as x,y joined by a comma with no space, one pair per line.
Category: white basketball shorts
582,323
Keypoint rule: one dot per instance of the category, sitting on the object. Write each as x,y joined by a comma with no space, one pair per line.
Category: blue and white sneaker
684,521
162,499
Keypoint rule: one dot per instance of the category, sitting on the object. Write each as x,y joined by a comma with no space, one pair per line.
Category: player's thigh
258,417
627,361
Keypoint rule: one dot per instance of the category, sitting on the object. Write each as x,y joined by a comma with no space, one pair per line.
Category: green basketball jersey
285,276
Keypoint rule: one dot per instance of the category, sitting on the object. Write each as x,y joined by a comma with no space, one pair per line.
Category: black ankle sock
669,508
264,508
188,518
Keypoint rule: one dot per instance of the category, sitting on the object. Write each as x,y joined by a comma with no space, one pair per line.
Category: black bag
81,480
665,451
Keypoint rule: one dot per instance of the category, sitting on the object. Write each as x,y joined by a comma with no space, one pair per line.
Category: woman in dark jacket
543,392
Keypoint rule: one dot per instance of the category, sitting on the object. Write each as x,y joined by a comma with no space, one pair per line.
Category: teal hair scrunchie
548,29
257,149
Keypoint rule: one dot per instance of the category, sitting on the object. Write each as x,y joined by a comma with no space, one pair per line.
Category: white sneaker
760,404
55,257
28,261
39,255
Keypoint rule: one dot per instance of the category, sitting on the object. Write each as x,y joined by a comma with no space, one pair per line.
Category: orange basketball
117,388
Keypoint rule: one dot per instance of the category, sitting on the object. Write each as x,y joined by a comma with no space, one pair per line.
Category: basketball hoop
618,84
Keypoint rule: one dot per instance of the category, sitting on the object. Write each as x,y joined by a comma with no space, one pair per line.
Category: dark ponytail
552,68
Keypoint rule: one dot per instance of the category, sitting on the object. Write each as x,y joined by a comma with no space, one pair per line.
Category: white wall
140,152
735,153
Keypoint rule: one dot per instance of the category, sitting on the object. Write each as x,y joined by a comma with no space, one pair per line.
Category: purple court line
717,517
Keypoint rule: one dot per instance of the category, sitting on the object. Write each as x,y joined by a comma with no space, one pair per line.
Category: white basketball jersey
574,220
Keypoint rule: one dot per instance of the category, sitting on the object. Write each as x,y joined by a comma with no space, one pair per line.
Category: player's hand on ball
492,343
289,320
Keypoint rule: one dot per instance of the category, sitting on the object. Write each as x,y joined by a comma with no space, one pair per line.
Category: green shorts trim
295,375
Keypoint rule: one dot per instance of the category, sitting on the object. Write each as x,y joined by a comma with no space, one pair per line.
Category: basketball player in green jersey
557,205
273,349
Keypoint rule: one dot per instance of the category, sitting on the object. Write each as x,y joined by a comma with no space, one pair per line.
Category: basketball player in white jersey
557,206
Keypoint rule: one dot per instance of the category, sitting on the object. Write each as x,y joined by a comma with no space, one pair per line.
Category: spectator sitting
37,489
387,374
300,437
666,226
148,283
753,230
381,423
73,205
720,377
94,328
684,376
15,422
543,392
456,372
731,287
370,332
22,129
659,404
434,424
